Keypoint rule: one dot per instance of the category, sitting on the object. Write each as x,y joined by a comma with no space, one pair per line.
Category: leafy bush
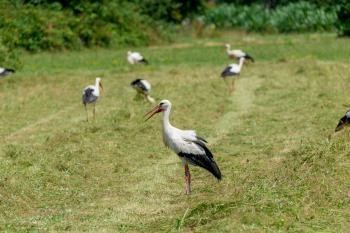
170,10
343,24
294,17
9,57
50,25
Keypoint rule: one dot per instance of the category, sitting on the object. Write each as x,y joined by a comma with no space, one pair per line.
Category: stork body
344,121
237,53
190,148
6,71
232,71
91,94
136,58
143,87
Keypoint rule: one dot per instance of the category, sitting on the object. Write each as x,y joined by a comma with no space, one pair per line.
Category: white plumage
232,70
136,58
186,144
237,53
91,94
6,71
344,121
143,87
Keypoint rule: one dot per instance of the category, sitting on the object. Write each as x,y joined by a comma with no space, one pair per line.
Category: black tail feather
342,122
248,57
205,161
144,61
227,72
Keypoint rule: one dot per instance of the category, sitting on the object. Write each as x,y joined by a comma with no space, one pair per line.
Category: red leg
187,179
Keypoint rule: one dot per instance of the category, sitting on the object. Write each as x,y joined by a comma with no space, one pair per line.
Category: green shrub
10,57
294,17
49,25
303,16
343,24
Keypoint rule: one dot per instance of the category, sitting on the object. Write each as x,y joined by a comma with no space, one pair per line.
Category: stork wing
200,155
230,71
239,53
137,56
342,122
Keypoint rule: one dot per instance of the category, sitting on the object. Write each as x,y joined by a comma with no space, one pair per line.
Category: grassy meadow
284,169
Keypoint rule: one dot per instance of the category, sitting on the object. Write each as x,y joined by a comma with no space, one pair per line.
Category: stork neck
241,61
166,114
97,84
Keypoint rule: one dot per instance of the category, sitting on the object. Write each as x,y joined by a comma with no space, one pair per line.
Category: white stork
344,121
237,53
142,87
190,148
6,71
91,94
136,58
233,70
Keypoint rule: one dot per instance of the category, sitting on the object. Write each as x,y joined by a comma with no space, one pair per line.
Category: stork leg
87,113
187,179
94,110
232,86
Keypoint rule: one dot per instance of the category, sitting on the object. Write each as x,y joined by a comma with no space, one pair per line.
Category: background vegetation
37,25
283,167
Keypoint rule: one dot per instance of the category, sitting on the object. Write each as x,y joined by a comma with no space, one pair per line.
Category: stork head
227,46
161,107
129,53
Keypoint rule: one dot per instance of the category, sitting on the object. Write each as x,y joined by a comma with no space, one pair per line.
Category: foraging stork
344,121
232,70
6,71
91,94
136,58
190,148
236,53
143,87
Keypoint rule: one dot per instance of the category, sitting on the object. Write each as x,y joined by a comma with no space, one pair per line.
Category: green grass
283,168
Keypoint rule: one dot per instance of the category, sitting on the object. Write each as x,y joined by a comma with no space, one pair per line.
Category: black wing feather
144,61
137,84
342,122
7,71
248,57
227,72
88,96
205,161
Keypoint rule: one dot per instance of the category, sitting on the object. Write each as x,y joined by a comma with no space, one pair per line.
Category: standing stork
237,53
6,71
143,87
190,148
136,58
90,96
233,70
344,121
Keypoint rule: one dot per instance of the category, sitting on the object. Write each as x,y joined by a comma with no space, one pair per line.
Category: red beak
151,113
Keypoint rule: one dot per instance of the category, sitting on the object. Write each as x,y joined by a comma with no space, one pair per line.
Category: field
283,167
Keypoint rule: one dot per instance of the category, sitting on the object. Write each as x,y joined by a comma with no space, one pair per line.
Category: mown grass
284,169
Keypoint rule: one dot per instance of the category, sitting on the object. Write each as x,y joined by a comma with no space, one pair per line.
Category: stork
190,148
344,121
6,71
90,96
237,53
136,58
142,87
232,70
